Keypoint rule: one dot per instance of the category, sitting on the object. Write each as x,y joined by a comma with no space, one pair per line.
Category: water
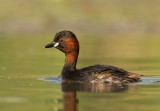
144,80
23,61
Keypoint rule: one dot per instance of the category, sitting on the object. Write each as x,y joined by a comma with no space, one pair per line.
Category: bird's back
106,74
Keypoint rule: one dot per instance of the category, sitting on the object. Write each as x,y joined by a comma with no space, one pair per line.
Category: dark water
24,61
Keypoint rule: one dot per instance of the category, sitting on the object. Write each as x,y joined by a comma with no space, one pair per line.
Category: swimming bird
67,42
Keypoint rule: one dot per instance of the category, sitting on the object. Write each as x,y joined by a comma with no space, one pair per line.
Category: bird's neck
70,63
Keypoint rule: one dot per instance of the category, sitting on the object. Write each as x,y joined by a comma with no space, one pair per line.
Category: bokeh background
91,17
121,33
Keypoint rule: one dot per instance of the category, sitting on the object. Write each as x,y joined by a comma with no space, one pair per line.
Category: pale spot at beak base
55,45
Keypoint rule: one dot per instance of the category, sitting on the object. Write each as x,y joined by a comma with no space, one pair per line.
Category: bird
67,42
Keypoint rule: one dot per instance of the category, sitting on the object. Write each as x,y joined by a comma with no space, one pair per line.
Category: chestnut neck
70,62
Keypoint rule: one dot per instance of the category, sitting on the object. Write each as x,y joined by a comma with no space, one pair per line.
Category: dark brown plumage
67,42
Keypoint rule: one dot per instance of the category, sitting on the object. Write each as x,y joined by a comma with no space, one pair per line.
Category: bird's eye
61,40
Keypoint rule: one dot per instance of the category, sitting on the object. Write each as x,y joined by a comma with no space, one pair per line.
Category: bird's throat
70,63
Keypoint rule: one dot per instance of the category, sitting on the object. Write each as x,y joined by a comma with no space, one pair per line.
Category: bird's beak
52,44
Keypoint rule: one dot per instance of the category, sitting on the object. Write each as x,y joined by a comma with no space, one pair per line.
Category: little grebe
67,42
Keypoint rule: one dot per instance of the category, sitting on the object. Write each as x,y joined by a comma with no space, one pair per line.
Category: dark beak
50,45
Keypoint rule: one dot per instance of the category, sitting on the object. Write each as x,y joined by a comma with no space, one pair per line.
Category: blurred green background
115,31
91,17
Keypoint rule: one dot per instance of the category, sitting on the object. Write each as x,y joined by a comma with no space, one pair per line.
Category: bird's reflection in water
70,101
70,89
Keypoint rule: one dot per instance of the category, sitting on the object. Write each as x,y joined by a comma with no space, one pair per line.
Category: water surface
23,60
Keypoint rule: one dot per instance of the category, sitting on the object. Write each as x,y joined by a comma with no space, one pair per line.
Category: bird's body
102,74
67,42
